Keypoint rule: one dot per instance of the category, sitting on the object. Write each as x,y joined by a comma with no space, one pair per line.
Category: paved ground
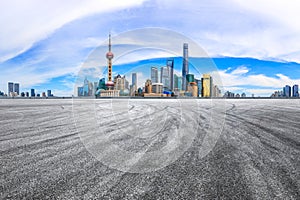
49,149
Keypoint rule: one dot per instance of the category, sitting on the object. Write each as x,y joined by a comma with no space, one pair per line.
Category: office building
216,92
170,66
120,82
199,84
295,91
185,66
32,93
49,93
206,85
287,91
79,91
134,81
86,87
17,88
190,78
154,75
148,86
193,89
177,83
165,77
10,88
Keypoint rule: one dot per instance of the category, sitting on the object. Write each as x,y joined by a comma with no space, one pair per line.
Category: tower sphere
109,55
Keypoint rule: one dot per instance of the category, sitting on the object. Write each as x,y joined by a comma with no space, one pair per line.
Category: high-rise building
206,85
170,65
10,89
199,84
49,93
148,86
126,84
95,88
86,87
190,78
185,66
176,82
79,91
216,92
165,77
27,94
295,91
91,89
17,88
193,89
287,91
32,93
120,82
134,81
154,75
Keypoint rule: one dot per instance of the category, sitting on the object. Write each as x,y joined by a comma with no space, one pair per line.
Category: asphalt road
95,149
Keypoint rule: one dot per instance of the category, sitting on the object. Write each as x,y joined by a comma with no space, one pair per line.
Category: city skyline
50,55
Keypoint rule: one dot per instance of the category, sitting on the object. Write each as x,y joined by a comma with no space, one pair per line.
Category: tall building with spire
109,57
110,90
185,66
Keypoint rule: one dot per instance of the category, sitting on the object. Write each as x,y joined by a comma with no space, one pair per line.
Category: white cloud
258,84
240,70
26,22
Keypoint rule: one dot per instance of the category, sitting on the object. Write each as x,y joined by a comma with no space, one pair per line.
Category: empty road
149,149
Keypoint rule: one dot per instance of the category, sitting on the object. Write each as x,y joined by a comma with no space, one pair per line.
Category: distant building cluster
88,88
13,90
233,95
287,92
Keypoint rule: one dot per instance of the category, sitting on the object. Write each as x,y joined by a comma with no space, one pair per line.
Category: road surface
90,149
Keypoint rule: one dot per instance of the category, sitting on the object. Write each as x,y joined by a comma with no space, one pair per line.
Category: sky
255,45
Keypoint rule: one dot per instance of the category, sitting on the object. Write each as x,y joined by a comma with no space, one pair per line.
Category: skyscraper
199,84
148,86
32,93
86,87
165,77
120,82
185,66
17,88
295,91
170,65
49,93
79,91
206,85
154,75
287,91
10,88
134,81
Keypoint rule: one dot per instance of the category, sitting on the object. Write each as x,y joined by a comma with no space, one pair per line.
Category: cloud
240,70
25,22
239,81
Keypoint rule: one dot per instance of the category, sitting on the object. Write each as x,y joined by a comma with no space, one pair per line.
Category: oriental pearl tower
109,56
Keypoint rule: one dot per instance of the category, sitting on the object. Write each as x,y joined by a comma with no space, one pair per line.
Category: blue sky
256,44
